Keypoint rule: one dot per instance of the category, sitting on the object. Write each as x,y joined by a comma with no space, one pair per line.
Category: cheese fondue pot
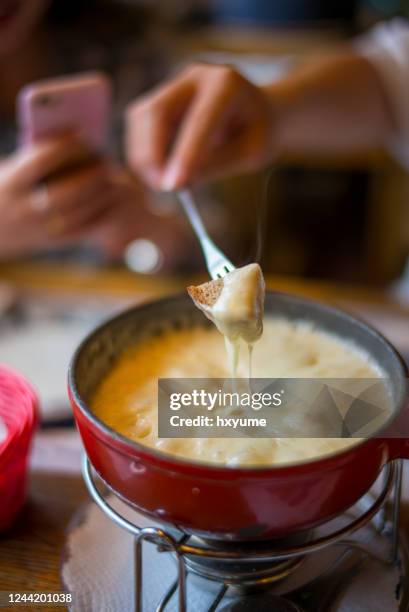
242,503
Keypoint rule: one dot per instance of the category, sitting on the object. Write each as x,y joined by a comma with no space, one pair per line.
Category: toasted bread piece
234,303
207,294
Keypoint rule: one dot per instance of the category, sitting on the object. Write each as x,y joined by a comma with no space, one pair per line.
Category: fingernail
170,178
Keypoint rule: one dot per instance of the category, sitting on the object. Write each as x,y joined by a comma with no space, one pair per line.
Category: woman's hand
51,194
207,122
210,121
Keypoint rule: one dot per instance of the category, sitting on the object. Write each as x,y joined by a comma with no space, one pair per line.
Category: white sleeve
387,48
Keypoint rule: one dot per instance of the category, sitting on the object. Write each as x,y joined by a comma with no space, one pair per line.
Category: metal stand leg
383,514
138,575
160,538
396,511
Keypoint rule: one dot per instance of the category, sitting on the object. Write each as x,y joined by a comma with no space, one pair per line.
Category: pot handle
396,436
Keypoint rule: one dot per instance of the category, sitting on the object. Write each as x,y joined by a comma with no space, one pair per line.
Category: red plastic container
18,411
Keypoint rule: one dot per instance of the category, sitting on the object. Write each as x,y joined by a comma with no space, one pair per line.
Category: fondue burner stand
236,569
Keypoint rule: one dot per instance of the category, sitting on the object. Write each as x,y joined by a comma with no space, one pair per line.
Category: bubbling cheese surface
126,400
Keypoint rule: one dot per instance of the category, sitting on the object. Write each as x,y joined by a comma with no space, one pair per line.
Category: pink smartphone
81,103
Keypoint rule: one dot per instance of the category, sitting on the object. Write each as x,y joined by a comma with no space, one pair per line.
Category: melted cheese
126,400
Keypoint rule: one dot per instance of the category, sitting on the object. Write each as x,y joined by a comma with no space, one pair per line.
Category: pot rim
161,457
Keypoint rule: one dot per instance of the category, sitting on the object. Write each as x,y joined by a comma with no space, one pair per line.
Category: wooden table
30,553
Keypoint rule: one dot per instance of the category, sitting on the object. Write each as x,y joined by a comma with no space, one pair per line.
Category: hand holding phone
61,189
42,204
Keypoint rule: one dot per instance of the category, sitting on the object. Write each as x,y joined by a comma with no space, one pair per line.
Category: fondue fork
216,261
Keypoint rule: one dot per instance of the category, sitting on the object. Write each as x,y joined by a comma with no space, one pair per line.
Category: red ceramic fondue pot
243,503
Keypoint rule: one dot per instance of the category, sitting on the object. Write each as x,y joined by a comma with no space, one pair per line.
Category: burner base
246,576
261,602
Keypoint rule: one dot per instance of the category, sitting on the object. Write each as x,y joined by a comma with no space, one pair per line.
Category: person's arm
210,121
332,104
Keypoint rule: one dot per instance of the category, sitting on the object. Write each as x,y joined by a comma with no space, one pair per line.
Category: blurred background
339,218
331,217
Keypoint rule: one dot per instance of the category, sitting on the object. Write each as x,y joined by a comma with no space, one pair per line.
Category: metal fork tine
217,263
